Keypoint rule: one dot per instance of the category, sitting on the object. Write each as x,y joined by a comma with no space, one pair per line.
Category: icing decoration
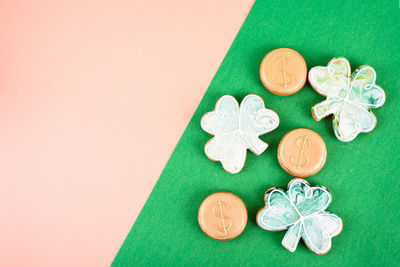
348,97
300,210
237,129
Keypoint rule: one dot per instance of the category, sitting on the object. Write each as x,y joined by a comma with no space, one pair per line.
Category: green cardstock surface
363,175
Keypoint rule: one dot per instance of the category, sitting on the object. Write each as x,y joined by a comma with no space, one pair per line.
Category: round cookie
302,152
283,71
222,216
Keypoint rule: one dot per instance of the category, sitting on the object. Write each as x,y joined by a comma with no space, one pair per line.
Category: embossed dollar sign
224,223
302,159
280,65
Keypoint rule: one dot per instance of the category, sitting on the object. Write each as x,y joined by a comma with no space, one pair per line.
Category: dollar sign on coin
302,152
302,159
283,71
281,66
224,223
222,215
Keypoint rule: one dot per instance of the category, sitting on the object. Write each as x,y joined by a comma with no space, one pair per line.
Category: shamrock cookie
348,97
300,210
237,129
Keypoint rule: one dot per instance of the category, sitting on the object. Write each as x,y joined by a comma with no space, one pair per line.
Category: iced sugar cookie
349,97
237,129
301,211
302,152
223,216
283,71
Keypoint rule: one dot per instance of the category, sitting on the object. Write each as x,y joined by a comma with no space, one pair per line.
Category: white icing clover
301,211
348,97
237,129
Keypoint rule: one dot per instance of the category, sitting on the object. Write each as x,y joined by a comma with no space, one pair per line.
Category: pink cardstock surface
94,95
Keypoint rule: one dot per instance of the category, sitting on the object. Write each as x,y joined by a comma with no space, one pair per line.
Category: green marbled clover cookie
301,211
237,129
349,97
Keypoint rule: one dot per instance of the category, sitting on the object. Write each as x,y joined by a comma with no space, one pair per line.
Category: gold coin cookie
302,152
222,216
283,71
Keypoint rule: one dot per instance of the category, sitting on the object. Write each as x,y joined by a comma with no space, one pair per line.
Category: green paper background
363,175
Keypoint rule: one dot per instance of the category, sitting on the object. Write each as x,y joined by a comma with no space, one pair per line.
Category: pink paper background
94,95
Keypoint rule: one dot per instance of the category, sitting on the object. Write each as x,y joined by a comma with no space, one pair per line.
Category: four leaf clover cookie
301,210
237,129
348,97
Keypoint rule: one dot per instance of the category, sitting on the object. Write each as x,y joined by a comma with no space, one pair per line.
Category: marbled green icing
348,97
301,210
237,129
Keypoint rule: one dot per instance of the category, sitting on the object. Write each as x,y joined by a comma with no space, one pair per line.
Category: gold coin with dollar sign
302,152
283,71
223,216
